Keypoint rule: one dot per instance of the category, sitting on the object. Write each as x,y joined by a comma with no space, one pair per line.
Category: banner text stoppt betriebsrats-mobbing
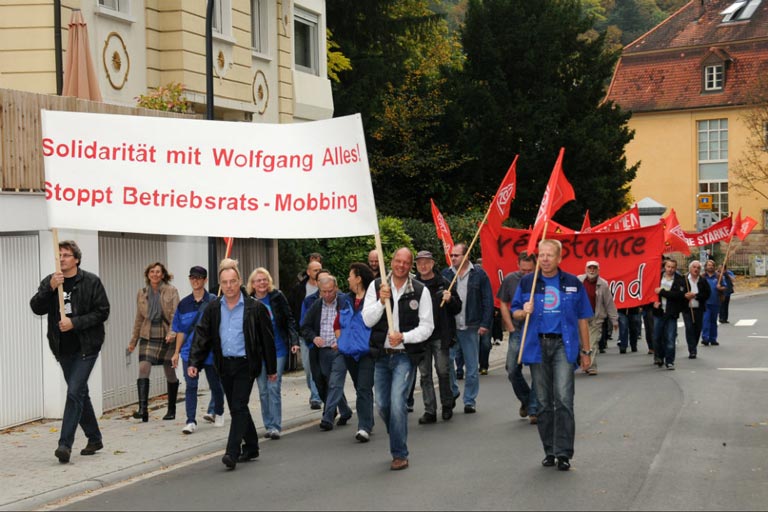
146,174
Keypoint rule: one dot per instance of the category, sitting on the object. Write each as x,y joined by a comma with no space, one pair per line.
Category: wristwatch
586,352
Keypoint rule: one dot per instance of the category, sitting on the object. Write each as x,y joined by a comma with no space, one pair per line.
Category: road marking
747,322
745,369
759,337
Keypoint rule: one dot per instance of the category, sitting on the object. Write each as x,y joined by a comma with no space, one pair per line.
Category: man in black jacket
697,291
438,344
666,310
238,329
75,341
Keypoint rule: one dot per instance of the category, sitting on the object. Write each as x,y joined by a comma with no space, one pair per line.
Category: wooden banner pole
383,274
58,269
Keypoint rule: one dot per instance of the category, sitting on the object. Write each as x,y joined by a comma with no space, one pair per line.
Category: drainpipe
213,261
57,46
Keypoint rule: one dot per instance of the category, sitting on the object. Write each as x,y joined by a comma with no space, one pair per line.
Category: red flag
674,236
735,225
229,242
499,211
747,225
630,219
443,233
586,226
557,193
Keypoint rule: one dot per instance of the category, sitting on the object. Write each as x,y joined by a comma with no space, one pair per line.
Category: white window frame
221,24
714,77
259,27
714,133
116,9
312,21
719,198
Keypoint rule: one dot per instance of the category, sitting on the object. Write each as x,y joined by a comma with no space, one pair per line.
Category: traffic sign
704,201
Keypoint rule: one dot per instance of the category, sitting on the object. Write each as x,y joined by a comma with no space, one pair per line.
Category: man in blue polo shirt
557,338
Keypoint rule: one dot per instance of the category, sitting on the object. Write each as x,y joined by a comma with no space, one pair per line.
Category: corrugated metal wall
21,349
122,259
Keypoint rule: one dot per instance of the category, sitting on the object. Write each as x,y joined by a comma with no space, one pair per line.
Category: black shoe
173,393
409,408
447,413
602,351
456,398
427,418
523,411
63,453
469,409
622,350
563,464
246,456
548,461
92,447
691,356
343,421
705,343
315,406
714,343
229,461
634,349
459,375
326,425
658,362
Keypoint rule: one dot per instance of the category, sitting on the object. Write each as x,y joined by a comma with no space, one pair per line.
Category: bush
168,99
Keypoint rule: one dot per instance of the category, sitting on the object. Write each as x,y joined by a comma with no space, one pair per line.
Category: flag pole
688,287
59,288
533,289
469,249
383,274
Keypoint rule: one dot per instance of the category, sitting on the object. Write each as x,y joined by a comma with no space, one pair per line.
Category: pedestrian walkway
32,477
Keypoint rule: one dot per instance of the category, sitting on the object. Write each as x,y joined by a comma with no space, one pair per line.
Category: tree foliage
530,88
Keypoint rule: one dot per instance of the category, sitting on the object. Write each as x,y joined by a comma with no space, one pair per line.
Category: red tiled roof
662,70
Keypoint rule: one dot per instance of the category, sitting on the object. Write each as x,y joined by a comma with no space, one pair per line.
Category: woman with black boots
155,306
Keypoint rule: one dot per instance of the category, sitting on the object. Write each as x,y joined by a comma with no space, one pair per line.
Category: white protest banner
207,178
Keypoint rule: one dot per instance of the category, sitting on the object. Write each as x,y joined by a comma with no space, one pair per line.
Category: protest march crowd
443,323
391,326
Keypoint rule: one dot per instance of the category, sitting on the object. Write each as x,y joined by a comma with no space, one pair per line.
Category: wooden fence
21,159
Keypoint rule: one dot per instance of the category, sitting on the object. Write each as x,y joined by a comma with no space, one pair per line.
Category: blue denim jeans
526,395
393,377
216,404
485,350
78,409
313,394
362,372
709,330
664,336
629,329
337,374
469,343
554,382
270,398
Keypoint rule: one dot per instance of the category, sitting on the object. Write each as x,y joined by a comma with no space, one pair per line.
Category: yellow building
269,55
688,84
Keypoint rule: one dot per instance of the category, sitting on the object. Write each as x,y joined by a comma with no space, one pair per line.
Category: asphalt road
647,439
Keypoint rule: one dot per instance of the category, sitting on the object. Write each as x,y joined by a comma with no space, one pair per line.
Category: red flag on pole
630,219
558,192
443,233
586,226
502,201
747,225
674,236
735,225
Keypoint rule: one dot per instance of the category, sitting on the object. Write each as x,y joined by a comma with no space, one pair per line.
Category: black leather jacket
90,309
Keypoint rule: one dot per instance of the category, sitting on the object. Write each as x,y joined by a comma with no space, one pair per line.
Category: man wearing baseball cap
600,298
439,343
188,314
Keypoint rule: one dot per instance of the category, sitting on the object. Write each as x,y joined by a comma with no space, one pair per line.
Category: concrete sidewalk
32,477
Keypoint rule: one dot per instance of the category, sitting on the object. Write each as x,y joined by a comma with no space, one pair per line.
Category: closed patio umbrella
79,73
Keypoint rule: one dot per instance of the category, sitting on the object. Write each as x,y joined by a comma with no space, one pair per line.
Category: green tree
635,18
533,81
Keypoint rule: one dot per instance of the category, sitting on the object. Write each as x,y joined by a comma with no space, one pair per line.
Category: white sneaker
209,417
274,434
191,428
362,436
219,420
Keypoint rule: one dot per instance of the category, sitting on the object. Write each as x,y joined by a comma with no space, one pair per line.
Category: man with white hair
601,300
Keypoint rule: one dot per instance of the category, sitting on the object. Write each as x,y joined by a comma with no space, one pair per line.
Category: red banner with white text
629,260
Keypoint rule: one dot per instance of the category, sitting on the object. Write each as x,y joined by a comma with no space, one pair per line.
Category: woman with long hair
261,287
155,306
